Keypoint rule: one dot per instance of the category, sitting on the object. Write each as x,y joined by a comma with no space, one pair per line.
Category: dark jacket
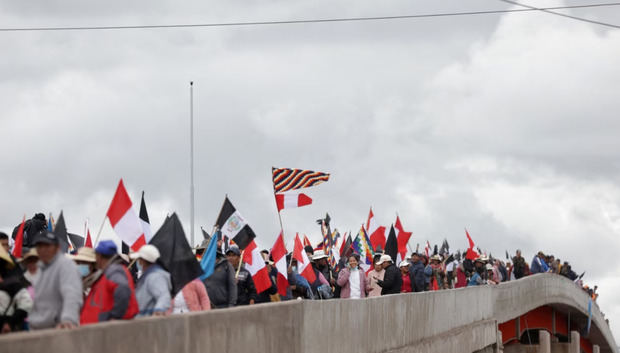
32,227
392,281
221,285
246,290
416,273
518,268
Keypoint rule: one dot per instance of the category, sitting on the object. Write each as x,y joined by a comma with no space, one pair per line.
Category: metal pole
191,159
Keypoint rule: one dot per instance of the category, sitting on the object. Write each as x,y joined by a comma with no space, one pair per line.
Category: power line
548,10
323,20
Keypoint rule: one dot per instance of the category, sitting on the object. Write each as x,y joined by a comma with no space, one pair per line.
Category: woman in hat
404,271
87,266
352,279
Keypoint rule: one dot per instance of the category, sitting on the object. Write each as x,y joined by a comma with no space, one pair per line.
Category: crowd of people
47,288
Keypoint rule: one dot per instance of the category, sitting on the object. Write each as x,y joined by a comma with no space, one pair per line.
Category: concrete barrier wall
462,320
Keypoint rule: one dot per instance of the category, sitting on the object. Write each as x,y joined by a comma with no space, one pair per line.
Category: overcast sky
504,124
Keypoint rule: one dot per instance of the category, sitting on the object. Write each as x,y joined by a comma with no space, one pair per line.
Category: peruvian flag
427,249
377,233
19,240
278,253
471,253
124,220
292,201
402,238
304,267
255,264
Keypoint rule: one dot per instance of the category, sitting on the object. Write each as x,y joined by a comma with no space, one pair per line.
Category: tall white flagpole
191,157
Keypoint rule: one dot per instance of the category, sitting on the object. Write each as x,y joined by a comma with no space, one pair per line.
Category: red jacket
112,296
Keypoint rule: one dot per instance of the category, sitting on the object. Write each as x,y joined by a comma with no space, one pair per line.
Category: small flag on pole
124,220
292,201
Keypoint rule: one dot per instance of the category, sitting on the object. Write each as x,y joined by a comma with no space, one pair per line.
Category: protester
246,290
270,294
352,280
86,262
478,277
32,227
437,275
4,242
221,285
416,272
518,265
539,264
374,275
490,275
112,296
15,300
392,280
406,278
193,297
319,261
30,263
153,288
58,293
321,287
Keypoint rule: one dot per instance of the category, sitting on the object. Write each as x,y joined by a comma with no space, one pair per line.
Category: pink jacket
343,281
195,295
374,290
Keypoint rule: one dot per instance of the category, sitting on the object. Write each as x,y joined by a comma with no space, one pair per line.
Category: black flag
76,240
507,256
175,253
61,233
391,245
234,226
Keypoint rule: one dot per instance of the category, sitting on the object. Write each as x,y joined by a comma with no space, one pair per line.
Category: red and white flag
292,201
375,232
427,249
402,239
89,242
304,267
307,241
255,264
278,253
124,219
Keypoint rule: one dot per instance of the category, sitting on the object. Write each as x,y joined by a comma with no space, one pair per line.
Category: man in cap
246,291
112,296
392,280
154,286
58,292
221,285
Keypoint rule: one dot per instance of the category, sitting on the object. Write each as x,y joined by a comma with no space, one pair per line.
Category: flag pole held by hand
240,262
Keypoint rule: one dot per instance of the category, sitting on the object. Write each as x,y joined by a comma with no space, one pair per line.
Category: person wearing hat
58,292
437,274
221,285
416,272
404,273
29,262
322,270
478,277
154,286
246,291
87,266
352,280
15,300
377,273
392,280
490,279
112,296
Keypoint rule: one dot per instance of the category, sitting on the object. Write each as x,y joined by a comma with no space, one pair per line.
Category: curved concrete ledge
461,320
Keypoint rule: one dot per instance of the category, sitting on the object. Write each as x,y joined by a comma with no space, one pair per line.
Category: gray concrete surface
462,320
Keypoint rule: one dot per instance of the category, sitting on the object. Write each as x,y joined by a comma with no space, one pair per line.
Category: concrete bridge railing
461,320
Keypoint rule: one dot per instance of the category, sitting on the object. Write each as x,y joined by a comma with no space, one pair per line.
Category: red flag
402,239
471,253
278,253
19,240
376,233
292,201
89,242
124,220
304,267
306,241
256,266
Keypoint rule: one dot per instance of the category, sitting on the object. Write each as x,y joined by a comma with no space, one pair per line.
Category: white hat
489,267
84,254
147,252
319,254
384,258
403,264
